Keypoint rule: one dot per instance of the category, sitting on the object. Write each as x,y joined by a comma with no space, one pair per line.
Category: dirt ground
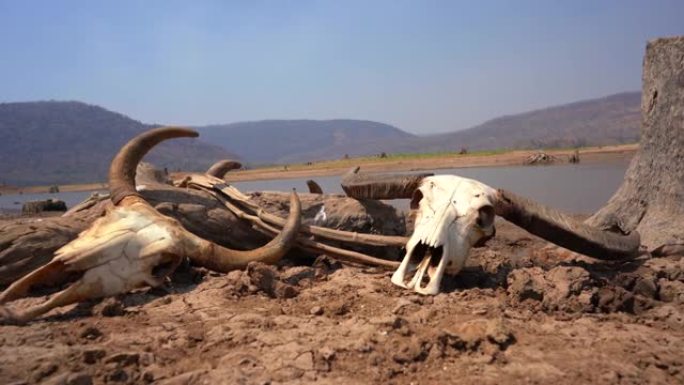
517,314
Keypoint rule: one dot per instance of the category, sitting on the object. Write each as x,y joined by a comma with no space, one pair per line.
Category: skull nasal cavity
485,217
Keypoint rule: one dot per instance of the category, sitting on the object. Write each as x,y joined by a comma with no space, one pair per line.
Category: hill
72,142
613,119
278,141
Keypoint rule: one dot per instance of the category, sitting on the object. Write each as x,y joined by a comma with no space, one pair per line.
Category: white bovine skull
453,214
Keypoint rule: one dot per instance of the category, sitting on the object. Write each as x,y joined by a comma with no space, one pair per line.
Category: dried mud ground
518,314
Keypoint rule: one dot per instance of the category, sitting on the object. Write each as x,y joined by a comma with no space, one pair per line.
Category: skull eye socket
485,216
165,267
415,199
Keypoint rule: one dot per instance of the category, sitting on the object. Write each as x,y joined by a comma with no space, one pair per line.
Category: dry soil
520,313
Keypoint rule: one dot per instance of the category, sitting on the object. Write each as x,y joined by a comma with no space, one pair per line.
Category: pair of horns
545,222
122,185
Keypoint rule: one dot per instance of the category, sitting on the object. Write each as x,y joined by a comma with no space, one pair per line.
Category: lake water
577,188
12,203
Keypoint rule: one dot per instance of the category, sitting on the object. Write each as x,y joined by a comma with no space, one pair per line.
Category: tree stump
651,198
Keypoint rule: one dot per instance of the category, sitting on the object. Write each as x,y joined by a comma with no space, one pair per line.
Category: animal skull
133,245
453,215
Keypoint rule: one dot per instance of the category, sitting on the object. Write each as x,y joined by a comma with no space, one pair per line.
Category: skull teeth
421,262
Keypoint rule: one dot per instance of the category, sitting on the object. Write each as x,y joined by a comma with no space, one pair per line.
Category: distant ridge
613,119
72,142
277,141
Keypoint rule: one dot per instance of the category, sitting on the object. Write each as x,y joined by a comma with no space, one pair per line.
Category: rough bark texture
28,243
651,198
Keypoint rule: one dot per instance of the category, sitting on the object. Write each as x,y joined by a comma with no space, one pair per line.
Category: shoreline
413,162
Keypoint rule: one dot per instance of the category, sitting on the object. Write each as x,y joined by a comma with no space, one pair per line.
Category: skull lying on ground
133,245
454,214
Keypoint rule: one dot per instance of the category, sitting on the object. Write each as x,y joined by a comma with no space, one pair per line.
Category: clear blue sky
425,66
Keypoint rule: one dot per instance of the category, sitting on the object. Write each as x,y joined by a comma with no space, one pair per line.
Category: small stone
147,359
44,370
324,358
304,361
409,351
91,356
316,310
118,375
79,379
91,333
401,304
148,376
327,353
614,299
262,276
671,291
646,287
110,307
124,359
295,274
393,322
285,291
527,283
325,265
339,309
153,373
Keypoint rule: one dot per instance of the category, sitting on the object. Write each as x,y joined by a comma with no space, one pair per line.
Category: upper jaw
419,260
426,255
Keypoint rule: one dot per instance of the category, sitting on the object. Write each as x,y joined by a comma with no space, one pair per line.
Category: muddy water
580,188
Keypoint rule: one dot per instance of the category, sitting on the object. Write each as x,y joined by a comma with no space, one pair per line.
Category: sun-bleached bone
449,220
133,245
455,214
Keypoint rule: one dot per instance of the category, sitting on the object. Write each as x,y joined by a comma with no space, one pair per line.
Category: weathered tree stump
651,198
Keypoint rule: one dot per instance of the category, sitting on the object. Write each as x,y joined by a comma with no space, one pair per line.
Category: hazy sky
424,66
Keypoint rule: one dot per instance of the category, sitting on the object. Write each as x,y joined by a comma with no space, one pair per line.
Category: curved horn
220,168
314,188
565,231
122,169
223,259
380,186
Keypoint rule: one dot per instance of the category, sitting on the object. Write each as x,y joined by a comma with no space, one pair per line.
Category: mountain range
57,142
278,141
72,142
613,119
